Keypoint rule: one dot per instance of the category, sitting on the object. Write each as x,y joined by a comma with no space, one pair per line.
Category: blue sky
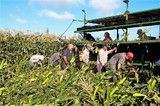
38,15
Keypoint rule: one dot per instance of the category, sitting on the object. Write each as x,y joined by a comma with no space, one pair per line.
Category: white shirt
85,55
36,58
102,57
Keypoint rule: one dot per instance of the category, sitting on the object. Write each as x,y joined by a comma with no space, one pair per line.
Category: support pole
117,34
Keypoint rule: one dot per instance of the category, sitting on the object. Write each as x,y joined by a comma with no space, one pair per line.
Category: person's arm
65,56
128,64
114,49
121,61
119,65
65,59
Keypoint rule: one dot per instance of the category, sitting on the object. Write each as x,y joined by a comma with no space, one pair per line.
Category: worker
54,59
107,37
102,57
142,35
36,60
85,54
66,56
118,59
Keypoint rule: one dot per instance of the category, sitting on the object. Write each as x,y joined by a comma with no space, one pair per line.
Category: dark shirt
143,37
66,52
54,59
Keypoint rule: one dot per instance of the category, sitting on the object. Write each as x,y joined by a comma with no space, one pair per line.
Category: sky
37,15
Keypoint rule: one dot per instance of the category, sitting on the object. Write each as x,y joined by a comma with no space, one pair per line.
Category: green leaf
114,90
33,79
153,83
121,81
46,80
49,74
147,30
138,94
124,96
1,89
95,91
2,64
137,77
61,78
96,50
26,105
118,44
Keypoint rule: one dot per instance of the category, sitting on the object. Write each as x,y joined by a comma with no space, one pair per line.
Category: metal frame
135,19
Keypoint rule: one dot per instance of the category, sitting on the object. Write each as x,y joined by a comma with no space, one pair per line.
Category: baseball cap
130,56
89,45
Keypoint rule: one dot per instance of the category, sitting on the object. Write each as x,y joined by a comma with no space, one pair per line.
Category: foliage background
51,86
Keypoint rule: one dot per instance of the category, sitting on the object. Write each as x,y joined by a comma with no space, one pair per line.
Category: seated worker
142,35
89,37
118,59
85,54
102,57
54,59
107,37
36,60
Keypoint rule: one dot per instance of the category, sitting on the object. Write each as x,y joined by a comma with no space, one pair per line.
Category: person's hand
133,70
118,73
87,63
115,48
40,64
137,39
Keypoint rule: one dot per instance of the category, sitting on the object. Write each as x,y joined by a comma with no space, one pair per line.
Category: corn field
50,86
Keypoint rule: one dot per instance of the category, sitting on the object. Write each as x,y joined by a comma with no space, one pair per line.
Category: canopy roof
136,19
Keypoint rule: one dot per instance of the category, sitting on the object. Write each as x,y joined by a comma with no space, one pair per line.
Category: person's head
60,53
105,47
130,56
89,47
139,31
70,47
106,35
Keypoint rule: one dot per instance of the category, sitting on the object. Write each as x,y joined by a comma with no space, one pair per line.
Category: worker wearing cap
107,37
141,35
118,59
85,54
102,57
